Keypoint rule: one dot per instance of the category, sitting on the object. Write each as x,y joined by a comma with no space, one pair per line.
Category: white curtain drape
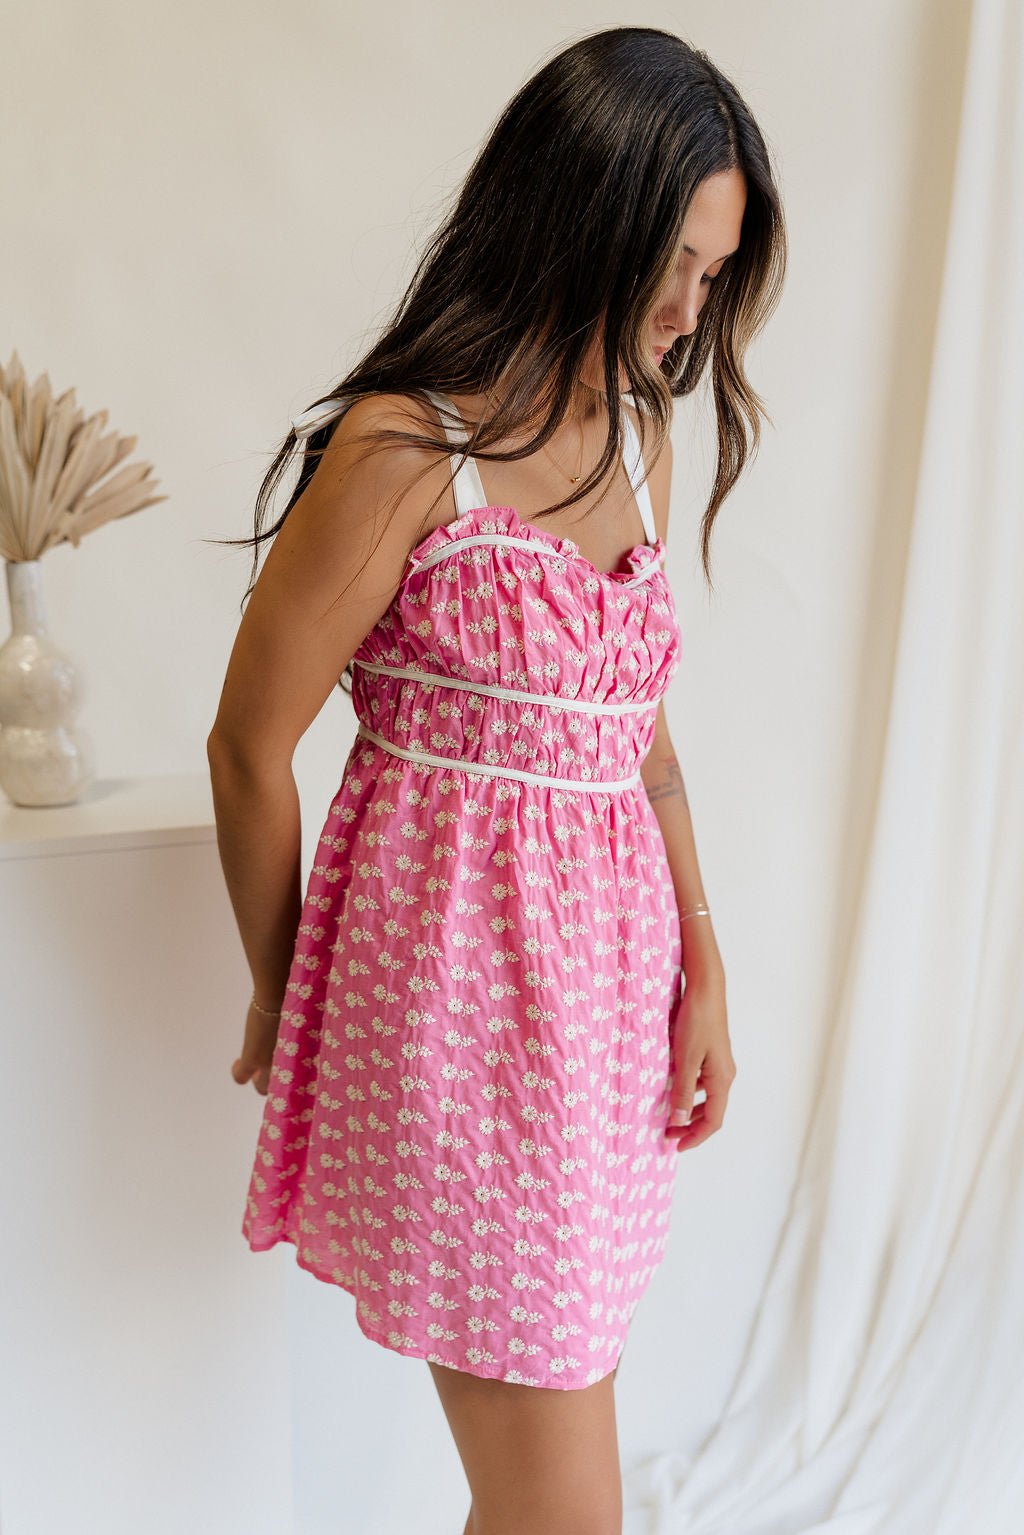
881,1391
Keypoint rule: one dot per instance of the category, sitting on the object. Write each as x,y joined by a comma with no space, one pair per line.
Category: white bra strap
469,491
633,459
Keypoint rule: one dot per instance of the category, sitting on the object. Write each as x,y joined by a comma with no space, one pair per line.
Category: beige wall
208,210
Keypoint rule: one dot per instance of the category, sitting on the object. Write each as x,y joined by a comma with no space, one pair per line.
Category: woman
478,1056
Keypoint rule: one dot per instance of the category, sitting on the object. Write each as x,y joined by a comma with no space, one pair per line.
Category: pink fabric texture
465,1122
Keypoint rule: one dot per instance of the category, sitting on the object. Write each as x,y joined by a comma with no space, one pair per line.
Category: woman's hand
257,1050
701,1057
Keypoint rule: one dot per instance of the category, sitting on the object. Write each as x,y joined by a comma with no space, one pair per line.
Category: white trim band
431,759
517,695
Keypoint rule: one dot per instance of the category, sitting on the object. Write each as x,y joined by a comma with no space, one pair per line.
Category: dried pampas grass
53,467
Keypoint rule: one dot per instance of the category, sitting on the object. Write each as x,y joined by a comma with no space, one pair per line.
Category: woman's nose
682,308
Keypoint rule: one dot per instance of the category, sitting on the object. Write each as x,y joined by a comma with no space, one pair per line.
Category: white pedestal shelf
144,1347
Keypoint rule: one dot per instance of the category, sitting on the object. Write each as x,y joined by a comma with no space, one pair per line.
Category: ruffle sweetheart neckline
567,547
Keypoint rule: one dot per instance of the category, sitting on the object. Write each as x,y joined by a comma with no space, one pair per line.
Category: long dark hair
571,214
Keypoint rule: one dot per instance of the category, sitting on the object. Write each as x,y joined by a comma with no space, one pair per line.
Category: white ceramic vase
44,758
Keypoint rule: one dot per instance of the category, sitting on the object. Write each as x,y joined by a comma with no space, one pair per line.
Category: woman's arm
663,780
292,645
256,807
701,1049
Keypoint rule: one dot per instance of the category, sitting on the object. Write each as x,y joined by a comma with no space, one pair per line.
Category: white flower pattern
465,1120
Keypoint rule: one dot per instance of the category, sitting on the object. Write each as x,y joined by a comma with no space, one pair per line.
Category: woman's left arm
663,780
702,1055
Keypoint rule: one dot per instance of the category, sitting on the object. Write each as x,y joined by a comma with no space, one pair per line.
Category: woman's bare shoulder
359,475
373,413
373,467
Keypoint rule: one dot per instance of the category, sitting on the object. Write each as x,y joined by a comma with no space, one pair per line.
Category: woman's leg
539,1461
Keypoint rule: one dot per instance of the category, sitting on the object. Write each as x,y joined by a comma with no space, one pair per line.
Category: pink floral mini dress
465,1122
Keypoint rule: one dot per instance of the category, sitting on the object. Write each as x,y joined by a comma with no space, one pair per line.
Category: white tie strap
317,416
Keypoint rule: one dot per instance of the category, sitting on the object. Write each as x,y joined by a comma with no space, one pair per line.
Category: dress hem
557,1383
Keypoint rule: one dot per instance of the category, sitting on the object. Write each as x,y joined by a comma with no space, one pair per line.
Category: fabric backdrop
881,1391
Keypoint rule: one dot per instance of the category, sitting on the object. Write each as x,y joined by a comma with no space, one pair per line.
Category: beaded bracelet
264,1010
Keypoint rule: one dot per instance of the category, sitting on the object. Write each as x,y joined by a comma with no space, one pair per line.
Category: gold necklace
573,479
